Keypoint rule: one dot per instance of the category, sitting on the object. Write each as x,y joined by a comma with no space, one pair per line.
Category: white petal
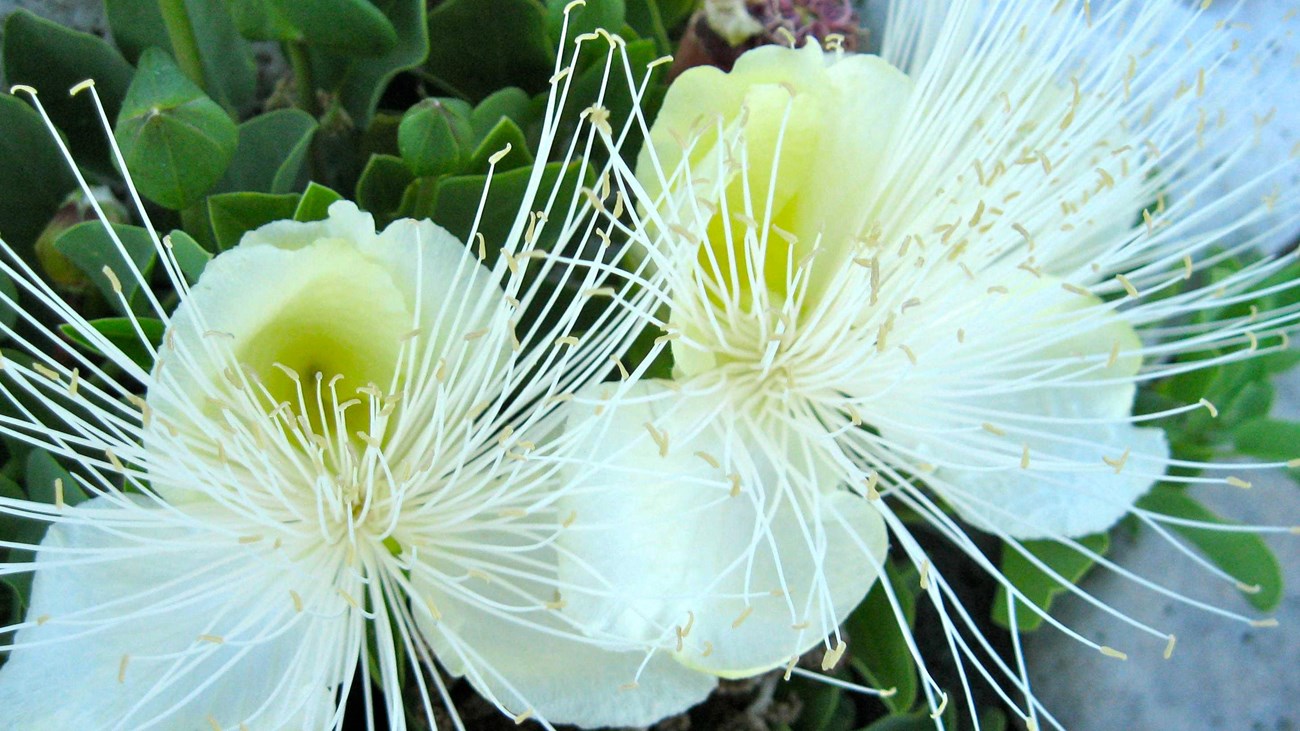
1040,444
183,612
540,666
750,578
1072,502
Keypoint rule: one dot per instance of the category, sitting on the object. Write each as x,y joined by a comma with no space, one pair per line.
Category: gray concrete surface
1223,675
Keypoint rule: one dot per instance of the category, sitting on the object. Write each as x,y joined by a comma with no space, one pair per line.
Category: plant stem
303,78
185,45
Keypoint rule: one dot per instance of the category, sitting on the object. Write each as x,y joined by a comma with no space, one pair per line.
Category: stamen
743,616
832,657
869,485
1112,652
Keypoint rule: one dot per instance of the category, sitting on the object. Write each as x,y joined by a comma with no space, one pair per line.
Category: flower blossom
928,284
342,463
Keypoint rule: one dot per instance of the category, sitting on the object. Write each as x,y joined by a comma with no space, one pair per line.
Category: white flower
945,271
342,463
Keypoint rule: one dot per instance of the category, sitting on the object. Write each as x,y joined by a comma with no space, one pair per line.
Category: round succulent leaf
177,142
89,247
234,214
347,26
435,136
505,133
473,59
510,103
272,153
360,81
52,59
28,154
229,68
607,14
315,203
382,183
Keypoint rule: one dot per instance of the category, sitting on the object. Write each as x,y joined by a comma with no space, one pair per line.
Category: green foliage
27,153
8,315
1243,555
435,135
315,202
38,473
176,141
121,333
825,707
234,214
1270,439
343,26
382,186
878,646
52,59
360,81
190,256
458,202
229,70
271,156
607,14
472,59
90,248
1037,585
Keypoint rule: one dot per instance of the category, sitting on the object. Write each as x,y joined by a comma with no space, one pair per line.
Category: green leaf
435,136
380,138
136,26
993,719
644,18
89,247
1251,401
177,142
509,103
674,12
8,314
1038,586
18,530
1270,439
120,332
618,94
53,59
42,471
472,58
505,133
27,153
1243,555
346,26
877,646
458,202
315,203
272,153
229,68
234,214
824,708
361,81
190,256
607,14
381,186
